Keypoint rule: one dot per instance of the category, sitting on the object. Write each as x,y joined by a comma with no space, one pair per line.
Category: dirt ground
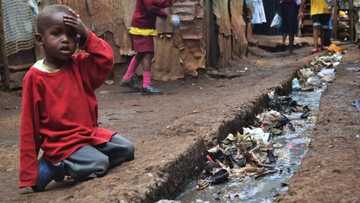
163,127
330,171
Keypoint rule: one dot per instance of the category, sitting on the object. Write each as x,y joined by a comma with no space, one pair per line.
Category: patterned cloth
18,24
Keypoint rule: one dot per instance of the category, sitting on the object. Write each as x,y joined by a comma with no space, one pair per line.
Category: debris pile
319,72
251,152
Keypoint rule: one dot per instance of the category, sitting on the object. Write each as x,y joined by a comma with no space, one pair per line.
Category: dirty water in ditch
293,146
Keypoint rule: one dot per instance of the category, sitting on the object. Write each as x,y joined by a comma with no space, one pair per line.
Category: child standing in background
142,33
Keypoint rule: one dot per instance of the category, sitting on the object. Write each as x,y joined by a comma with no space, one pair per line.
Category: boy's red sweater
59,110
146,12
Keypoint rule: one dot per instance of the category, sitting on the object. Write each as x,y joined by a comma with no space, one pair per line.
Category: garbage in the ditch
258,171
313,81
295,83
327,61
286,105
306,73
250,152
320,70
327,75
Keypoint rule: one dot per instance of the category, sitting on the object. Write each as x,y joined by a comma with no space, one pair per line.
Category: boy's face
58,40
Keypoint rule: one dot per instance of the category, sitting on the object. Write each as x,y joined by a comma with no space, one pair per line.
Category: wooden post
3,55
335,19
207,31
351,18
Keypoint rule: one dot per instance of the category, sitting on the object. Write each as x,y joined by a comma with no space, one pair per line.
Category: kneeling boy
59,107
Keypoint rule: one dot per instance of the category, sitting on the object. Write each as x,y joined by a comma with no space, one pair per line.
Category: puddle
292,148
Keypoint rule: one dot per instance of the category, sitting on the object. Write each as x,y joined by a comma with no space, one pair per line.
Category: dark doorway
212,30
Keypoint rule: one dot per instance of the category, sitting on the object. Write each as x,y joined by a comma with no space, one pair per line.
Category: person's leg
293,25
147,70
316,32
357,25
128,79
284,36
147,87
118,149
291,42
131,68
324,31
86,162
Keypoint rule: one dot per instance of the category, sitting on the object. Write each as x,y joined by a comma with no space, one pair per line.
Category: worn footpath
170,131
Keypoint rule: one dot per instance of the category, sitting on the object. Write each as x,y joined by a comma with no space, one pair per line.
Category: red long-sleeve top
59,110
146,12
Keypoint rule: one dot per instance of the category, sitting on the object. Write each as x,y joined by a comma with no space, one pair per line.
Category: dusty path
330,171
162,127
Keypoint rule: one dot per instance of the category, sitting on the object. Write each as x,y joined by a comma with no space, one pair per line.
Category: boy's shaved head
43,20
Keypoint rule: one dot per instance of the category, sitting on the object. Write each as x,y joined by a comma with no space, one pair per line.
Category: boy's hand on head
75,22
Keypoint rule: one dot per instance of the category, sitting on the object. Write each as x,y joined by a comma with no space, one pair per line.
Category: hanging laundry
258,12
18,25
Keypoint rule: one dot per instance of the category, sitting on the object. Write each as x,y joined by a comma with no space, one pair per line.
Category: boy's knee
101,165
130,151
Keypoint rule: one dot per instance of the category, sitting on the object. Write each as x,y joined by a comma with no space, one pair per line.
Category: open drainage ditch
221,181
291,148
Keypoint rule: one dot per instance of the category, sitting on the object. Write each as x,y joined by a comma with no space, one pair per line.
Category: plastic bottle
295,83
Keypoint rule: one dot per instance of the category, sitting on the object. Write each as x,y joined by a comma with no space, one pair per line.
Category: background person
289,10
142,32
320,13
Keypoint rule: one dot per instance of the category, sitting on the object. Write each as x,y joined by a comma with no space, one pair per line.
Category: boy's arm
156,6
29,131
97,62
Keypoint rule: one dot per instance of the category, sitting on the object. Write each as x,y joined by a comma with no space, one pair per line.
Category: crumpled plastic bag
295,84
257,134
305,73
313,81
276,22
327,75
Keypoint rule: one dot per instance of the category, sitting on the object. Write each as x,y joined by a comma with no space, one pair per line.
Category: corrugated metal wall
181,51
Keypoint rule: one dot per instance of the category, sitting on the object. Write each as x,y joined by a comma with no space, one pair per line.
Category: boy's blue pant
88,161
